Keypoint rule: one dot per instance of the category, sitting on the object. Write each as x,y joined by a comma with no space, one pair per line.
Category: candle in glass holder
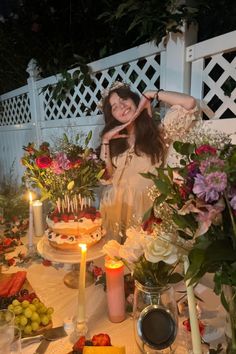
38,218
31,226
82,275
115,290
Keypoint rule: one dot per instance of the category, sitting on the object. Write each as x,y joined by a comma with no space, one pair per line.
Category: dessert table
47,282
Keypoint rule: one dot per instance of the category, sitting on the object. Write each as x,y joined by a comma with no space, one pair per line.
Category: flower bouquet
66,174
200,196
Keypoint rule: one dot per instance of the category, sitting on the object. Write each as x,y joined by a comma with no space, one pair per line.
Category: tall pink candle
115,290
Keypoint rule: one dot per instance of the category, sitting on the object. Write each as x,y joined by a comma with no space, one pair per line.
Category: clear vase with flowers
152,260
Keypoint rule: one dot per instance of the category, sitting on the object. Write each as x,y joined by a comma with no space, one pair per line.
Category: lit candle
82,274
115,290
31,226
195,333
38,218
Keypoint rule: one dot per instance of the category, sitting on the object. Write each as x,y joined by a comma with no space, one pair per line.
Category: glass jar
155,319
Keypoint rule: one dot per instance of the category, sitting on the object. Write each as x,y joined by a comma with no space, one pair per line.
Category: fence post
178,75
34,74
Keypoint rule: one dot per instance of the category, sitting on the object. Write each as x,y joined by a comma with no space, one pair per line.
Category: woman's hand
115,133
145,103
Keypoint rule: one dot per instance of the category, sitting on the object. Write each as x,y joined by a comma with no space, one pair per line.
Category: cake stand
71,257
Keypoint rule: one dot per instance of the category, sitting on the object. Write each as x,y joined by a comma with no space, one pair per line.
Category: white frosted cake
66,231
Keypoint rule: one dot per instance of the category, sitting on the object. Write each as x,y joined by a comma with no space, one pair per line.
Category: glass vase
230,328
155,319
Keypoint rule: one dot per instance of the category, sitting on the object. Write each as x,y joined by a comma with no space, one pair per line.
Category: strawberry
64,217
55,219
98,214
79,344
71,217
101,339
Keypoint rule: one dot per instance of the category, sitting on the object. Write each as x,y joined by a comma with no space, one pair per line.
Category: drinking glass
7,318
15,344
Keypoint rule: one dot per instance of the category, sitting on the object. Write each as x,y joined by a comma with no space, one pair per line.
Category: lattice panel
15,110
83,100
219,86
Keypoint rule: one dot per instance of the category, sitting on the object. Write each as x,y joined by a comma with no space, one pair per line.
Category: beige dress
126,199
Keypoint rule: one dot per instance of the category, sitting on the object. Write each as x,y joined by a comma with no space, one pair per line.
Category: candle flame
30,197
113,264
83,247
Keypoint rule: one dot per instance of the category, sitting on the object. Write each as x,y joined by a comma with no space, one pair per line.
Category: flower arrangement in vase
66,173
199,194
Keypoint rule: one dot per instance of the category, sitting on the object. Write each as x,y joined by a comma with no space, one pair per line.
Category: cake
66,230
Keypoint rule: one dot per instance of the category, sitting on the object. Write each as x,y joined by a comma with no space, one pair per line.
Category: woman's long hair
148,133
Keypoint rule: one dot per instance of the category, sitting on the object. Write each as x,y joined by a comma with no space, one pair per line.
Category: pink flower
43,161
205,149
211,186
56,168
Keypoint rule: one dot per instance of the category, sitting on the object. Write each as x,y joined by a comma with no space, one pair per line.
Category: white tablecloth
48,284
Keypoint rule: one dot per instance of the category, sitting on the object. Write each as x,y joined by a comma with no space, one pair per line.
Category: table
48,284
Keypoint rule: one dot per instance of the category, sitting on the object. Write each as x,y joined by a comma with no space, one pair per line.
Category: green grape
23,321
45,320
32,307
10,307
25,303
35,326
17,320
28,312
28,329
15,302
42,309
50,311
35,317
35,301
17,310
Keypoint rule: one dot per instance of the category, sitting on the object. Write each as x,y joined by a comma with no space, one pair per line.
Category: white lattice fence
15,108
82,100
214,75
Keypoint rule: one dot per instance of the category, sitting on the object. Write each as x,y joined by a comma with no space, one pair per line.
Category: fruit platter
17,295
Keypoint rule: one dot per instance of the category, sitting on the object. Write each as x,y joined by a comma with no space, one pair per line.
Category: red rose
43,161
205,149
7,242
101,339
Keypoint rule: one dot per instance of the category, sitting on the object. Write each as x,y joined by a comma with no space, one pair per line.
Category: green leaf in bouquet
162,186
160,199
170,172
88,138
148,175
184,235
184,148
100,174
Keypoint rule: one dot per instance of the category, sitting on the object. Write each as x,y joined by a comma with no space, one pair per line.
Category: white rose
157,250
111,248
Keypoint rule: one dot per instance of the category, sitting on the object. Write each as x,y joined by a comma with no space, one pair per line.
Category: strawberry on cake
67,230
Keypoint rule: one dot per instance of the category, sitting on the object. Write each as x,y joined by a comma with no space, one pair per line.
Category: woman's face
122,109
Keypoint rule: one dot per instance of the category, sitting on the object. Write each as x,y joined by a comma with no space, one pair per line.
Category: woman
133,143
